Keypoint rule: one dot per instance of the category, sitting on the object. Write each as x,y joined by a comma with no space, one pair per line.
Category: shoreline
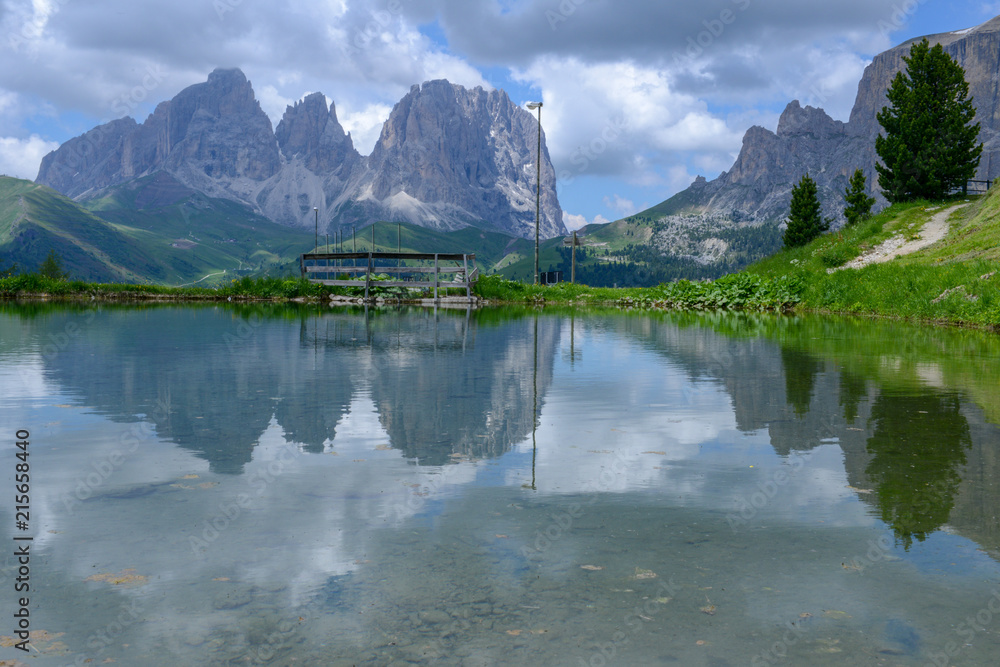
624,304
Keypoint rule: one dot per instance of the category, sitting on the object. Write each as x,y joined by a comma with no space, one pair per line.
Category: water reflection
211,379
917,448
504,487
800,371
879,390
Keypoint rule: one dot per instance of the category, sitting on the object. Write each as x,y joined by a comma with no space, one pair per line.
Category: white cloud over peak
20,157
573,221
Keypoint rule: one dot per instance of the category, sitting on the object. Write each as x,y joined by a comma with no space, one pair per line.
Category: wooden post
368,275
572,273
435,276
468,288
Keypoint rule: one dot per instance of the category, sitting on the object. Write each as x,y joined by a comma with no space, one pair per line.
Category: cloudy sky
639,97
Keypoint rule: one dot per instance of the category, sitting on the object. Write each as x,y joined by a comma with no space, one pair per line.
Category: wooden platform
412,269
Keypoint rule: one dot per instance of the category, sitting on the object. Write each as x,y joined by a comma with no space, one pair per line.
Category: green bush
834,257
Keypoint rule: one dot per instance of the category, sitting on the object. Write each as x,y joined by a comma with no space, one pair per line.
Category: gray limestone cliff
448,157
470,149
209,136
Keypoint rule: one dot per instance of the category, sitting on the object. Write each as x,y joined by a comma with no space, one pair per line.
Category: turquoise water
268,485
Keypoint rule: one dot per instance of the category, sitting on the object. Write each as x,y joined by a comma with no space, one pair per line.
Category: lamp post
538,181
316,211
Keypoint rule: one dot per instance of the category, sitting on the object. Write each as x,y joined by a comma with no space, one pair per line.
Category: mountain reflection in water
521,479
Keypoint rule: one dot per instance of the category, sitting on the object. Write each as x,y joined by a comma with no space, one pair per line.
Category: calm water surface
252,486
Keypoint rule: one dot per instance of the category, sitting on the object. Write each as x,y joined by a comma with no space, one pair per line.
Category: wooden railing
973,187
421,269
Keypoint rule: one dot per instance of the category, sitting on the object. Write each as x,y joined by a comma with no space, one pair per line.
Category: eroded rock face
90,162
448,157
469,149
311,131
208,136
807,140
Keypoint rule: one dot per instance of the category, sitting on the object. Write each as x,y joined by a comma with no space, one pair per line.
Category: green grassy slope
626,252
155,230
35,219
956,279
178,242
489,247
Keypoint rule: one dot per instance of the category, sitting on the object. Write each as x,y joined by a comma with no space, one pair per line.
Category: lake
272,485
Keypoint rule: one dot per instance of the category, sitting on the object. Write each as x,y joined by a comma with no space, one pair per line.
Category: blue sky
639,97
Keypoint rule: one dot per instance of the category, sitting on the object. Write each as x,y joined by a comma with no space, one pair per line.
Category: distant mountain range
448,157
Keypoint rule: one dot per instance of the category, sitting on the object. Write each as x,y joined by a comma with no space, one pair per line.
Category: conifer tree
858,203
804,220
52,267
930,144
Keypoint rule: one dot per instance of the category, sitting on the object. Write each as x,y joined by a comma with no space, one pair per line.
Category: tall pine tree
930,144
858,203
805,221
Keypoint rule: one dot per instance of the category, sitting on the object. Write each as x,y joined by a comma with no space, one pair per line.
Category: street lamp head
534,105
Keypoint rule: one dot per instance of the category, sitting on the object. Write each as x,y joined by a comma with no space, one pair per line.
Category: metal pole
572,273
354,239
538,188
316,211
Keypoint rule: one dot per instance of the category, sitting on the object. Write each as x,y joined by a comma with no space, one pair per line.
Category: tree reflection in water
918,444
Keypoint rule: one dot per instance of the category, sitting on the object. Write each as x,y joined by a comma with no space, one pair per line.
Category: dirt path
933,231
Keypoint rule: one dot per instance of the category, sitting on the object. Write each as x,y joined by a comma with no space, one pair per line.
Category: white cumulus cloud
21,157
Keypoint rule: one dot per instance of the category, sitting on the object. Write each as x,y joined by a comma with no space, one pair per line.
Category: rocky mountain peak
797,120
445,142
311,131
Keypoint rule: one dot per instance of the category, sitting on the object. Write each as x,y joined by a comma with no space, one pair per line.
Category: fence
418,270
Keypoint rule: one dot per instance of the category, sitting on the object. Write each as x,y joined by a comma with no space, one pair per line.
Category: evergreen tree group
805,220
930,145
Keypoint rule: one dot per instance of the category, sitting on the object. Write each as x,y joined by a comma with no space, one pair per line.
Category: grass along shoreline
953,281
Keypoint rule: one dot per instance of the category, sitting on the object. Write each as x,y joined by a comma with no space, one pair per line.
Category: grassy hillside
954,280
194,238
649,248
489,247
35,219
155,230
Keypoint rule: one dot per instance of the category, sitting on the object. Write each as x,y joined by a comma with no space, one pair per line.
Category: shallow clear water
255,485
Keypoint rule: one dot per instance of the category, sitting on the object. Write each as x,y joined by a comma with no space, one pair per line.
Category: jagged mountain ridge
807,139
448,157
